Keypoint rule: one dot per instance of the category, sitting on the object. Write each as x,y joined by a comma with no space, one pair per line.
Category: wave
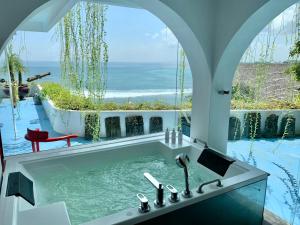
143,93
109,94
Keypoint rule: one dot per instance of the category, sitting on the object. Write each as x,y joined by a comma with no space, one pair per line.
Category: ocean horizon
135,82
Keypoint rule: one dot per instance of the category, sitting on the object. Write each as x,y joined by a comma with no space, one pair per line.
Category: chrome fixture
223,92
174,194
144,205
219,184
197,140
182,160
159,202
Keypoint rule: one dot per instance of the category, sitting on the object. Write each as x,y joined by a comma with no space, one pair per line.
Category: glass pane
264,120
244,205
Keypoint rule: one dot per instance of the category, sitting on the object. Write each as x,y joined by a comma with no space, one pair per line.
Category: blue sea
135,82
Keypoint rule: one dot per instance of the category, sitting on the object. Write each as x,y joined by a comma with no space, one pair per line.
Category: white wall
64,121
72,122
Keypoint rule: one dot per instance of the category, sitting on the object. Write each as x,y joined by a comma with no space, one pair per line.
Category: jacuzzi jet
182,160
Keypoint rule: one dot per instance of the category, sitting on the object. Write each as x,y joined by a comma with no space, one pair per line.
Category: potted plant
15,65
19,89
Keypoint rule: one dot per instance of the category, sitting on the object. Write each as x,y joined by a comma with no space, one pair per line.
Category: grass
64,99
265,105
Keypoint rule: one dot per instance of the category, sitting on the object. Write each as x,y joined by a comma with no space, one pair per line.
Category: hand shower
182,160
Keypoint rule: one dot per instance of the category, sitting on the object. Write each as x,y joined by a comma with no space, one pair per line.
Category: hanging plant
84,51
287,126
180,81
234,130
252,124
92,126
182,70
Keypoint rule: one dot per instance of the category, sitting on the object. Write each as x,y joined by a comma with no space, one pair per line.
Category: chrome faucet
200,189
159,202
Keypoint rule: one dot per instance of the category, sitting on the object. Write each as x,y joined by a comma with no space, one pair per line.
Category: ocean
134,82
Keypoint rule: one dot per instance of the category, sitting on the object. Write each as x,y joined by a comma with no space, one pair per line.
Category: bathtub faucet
159,202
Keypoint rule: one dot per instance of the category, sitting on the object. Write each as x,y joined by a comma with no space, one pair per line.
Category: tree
15,65
295,67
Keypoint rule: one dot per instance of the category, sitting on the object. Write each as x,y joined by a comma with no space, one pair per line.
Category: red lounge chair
37,136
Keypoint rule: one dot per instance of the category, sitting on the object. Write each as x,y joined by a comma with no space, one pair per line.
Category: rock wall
271,80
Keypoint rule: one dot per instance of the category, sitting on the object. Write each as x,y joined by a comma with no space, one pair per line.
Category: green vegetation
287,126
242,92
294,69
234,131
92,126
252,125
15,65
64,99
265,105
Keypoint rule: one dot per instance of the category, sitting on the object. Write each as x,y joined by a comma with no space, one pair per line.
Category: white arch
243,37
228,61
190,42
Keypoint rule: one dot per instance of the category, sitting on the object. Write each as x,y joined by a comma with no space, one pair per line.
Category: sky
282,30
131,33
135,35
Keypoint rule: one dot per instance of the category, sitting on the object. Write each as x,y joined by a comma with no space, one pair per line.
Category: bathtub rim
15,163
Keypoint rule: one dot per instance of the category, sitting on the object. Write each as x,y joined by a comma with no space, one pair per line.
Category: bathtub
97,184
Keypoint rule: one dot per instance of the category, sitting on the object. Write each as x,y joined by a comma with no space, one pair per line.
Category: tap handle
174,194
171,189
142,198
144,205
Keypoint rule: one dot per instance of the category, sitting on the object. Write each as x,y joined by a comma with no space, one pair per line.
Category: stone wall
276,83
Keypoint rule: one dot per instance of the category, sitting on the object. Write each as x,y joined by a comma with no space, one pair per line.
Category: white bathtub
240,184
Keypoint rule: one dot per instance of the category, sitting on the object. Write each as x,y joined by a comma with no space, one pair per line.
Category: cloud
152,35
155,36
165,36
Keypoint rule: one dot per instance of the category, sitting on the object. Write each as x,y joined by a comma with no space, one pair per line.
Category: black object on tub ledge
215,161
20,185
